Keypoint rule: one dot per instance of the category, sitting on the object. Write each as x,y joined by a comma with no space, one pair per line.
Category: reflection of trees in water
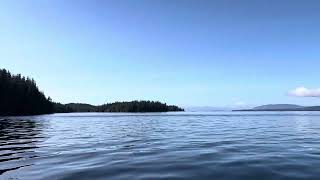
18,138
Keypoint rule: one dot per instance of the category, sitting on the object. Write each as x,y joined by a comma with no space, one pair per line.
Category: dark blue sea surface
216,145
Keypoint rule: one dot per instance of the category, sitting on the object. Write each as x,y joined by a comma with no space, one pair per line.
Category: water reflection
18,140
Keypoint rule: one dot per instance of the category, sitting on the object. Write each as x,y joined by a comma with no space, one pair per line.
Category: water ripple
161,146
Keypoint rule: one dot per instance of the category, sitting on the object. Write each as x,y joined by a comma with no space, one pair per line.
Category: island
20,95
125,106
282,107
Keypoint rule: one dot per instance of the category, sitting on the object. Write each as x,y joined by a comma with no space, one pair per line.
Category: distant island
131,106
20,95
282,107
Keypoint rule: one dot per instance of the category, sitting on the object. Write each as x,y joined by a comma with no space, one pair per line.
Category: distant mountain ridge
277,106
282,107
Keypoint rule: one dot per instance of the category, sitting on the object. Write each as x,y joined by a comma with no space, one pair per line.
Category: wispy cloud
305,92
240,103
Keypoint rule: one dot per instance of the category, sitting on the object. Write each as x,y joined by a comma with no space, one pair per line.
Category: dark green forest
132,106
20,95
137,106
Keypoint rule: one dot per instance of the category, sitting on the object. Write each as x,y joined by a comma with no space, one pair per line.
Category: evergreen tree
20,96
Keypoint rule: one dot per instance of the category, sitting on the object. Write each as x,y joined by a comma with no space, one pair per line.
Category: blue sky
185,52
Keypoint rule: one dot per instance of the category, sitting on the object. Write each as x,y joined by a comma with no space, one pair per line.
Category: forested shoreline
131,106
20,95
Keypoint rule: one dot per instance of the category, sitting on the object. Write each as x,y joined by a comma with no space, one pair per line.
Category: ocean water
216,145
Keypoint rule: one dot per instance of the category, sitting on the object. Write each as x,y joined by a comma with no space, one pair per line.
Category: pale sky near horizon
184,52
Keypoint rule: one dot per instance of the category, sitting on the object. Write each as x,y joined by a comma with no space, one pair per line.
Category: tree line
20,95
138,106
129,106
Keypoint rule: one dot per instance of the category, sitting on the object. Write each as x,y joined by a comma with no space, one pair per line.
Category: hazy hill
312,108
277,107
282,107
81,107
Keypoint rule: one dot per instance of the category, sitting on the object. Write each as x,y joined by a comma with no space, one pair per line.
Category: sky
221,53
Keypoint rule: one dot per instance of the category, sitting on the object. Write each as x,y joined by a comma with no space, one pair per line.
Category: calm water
224,145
